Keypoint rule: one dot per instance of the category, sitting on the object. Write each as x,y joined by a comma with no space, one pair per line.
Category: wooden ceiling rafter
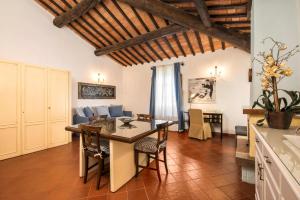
140,39
85,29
156,42
124,29
199,41
189,43
211,44
135,28
180,17
113,22
74,13
175,37
203,12
108,42
223,45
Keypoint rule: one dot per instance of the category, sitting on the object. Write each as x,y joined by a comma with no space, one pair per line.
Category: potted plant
279,110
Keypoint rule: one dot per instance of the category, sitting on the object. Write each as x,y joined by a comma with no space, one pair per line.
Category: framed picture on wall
202,90
96,91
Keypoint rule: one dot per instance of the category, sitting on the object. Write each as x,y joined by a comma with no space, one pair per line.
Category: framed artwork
96,91
202,90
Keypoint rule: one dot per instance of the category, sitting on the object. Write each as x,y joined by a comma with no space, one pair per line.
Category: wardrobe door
9,110
58,107
34,108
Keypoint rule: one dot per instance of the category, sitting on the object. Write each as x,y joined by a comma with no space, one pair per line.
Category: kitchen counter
277,163
281,142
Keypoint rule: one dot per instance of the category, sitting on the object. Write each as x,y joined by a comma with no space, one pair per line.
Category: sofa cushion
79,112
88,112
116,110
102,110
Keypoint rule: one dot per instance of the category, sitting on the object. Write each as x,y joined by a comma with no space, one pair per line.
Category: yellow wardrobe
34,108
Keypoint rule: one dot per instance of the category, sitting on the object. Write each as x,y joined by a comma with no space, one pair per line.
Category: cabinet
272,179
35,108
10,124
58,99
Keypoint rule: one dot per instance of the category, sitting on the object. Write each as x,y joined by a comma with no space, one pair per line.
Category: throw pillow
116,111
102,110
79,112
88,112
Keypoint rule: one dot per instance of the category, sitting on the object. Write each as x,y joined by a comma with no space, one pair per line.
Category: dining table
121,145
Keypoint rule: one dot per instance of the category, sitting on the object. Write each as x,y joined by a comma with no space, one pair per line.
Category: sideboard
277,164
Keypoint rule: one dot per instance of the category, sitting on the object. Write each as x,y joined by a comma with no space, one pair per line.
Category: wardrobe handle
49,107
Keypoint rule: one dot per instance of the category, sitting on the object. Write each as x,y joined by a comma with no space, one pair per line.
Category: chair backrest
90,137
196,116
144,117
162,130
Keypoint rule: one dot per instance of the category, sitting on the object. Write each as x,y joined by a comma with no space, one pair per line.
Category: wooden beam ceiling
74,13
171,29
203,12
110,24
178,16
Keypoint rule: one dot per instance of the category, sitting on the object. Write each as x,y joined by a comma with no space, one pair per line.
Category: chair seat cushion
104,146
148,145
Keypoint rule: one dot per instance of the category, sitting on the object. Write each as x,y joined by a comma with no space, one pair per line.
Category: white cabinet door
58,107
259,176
269,193
34,108
9,110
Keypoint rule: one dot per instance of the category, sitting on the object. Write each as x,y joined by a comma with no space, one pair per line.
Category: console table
212,118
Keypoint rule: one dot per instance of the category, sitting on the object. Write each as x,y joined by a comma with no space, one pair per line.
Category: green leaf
284,101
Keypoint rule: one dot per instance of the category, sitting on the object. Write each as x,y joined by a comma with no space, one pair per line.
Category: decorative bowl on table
126,120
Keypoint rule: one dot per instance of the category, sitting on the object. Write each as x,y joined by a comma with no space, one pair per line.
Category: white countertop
288,151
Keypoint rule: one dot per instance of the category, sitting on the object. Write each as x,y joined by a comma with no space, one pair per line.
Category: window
165,94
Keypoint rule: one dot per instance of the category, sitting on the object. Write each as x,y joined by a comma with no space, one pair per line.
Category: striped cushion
148,145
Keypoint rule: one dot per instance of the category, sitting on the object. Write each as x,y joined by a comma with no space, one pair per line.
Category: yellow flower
283,47
287,72
265,85
270,60
283,64
272,71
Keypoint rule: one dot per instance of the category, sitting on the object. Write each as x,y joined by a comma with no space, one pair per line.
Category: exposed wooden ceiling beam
235,15
223,45
74,13
249,6
203,12
171,29
182,18
233,22
199,41
211,44
229,6
186,37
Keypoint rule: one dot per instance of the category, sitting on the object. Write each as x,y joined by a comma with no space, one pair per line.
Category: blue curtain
152,95
178,90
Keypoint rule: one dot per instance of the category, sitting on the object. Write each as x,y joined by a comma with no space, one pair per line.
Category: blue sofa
84,115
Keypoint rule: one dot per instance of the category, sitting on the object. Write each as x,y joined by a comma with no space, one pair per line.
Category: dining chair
144,117
152,147
94,147
198,128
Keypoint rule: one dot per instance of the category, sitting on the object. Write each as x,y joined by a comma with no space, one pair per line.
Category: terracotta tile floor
198,170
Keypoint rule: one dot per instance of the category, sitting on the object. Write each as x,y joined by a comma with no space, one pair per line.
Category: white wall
233,89
28,35
280,20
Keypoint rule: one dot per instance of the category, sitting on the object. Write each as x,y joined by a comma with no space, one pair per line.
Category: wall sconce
216,73
100,78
